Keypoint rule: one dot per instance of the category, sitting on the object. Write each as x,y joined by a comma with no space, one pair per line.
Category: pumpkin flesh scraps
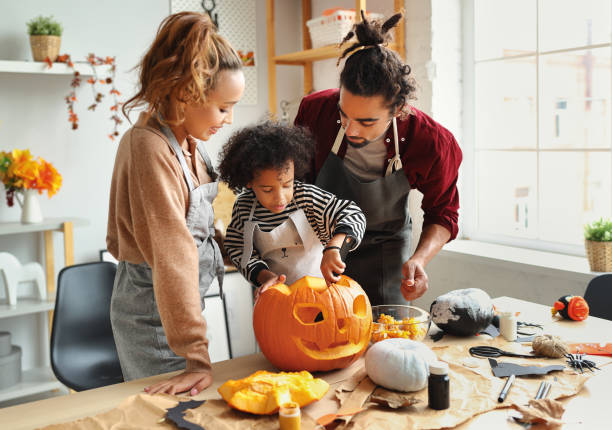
310,326
262,393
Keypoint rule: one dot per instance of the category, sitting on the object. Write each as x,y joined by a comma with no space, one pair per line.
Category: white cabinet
29,328
235,322
28,321
239,301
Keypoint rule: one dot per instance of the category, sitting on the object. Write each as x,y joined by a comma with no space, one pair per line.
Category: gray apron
141,342
292,248
377,264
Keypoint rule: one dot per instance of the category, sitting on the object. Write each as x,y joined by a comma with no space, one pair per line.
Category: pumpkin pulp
263,392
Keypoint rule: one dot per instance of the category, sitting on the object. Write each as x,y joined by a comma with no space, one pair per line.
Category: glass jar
438,388
507,326
289,416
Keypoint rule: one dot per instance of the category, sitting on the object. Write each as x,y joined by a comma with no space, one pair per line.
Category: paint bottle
289,416
507,326
438,388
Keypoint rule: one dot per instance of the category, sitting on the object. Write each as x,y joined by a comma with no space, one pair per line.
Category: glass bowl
402,321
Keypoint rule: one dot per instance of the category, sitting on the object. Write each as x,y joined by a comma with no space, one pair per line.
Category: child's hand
332,263
268,279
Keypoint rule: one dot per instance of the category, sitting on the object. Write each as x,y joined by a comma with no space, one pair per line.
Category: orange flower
20,171
49,179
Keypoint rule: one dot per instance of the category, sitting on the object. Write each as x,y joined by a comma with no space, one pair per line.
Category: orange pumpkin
309,326
263,392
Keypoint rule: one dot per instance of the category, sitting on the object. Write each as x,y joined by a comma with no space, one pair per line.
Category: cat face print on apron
377,264
141,342
291,248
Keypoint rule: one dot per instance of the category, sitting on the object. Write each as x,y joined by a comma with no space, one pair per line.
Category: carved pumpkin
308,326
264,392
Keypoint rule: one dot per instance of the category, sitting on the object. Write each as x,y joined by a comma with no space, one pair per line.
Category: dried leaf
393,399
545,411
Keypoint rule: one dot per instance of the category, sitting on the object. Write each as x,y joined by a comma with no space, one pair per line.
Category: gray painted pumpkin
462,312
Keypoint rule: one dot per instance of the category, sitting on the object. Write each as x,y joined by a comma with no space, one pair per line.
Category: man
373,148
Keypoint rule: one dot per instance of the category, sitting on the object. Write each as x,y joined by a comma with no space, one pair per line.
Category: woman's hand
415,281
191,381
267,279
332,263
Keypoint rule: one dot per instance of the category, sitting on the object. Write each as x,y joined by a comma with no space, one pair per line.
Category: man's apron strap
396,163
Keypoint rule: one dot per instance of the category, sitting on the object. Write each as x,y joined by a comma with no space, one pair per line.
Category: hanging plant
97,94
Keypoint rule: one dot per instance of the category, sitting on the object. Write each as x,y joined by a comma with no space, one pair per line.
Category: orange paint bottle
289,416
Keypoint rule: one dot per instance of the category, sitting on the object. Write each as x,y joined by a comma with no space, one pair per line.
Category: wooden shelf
46,225
40,67
308,55
26,306
33,381
315,54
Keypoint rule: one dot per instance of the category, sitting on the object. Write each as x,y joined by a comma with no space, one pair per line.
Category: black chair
83,351
599,296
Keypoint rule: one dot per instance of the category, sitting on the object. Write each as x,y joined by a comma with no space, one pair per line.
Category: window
537,120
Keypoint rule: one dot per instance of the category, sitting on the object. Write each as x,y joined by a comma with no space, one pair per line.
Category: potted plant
598,243
45,37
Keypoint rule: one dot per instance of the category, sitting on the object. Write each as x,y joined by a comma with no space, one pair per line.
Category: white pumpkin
399,364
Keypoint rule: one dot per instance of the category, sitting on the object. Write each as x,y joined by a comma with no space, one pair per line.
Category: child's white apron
292,248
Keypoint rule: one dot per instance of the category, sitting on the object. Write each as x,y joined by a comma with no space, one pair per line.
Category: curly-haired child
283,229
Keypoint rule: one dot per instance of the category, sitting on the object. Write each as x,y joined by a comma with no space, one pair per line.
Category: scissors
491,351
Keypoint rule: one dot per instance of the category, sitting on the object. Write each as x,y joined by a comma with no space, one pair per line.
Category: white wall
33,113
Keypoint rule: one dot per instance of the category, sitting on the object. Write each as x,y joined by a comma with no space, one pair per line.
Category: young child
283,229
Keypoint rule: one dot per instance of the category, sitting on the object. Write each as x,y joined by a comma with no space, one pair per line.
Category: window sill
519,258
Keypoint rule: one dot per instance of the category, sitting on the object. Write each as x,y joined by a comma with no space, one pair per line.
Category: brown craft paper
473,391
143,411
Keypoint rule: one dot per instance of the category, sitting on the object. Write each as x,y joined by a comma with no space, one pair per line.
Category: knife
347,245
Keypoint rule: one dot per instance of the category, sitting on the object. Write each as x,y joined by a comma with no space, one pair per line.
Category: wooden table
587,410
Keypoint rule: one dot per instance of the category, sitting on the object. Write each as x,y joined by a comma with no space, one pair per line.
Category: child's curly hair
268,145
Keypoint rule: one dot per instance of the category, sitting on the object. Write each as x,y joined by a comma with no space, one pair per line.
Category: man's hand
415,281
332,263
267,279
191,381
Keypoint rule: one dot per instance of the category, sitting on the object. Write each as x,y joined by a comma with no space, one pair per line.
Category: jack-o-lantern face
309,326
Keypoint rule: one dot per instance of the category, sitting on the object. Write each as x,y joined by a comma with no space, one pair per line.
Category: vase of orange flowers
30,209
24,178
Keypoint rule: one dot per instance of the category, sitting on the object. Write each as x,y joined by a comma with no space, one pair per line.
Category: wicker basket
45,46
331,29
599,255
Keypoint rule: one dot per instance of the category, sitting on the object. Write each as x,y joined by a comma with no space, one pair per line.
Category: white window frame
469,204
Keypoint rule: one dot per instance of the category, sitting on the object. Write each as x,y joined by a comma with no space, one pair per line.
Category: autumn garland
71,98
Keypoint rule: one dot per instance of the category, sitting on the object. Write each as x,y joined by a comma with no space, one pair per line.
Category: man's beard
365,142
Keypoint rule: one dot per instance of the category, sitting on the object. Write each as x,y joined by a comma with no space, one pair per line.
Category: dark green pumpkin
463,312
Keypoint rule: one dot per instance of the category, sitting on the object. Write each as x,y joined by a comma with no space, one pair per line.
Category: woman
160,225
